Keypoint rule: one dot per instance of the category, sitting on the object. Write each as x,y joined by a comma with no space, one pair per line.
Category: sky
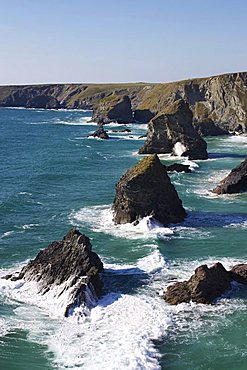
70,41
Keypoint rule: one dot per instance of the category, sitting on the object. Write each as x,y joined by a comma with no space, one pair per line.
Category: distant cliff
221,100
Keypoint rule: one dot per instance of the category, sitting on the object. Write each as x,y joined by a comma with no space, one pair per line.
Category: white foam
6,234
179,149
118,332
99,218
192,165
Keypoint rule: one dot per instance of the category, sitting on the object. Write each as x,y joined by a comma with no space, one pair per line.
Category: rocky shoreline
218,103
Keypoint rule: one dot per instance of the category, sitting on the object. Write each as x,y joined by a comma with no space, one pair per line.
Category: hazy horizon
128,42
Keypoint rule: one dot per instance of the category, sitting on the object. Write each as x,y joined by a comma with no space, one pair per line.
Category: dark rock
235,182
101,133
143,115
113,108
70,262
144,190
178,167
204,286
239,273
43,101
122,130
207,127
173,131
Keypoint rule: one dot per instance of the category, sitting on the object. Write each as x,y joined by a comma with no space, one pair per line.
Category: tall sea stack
145,190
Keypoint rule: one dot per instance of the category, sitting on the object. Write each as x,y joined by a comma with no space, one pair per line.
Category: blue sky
45,41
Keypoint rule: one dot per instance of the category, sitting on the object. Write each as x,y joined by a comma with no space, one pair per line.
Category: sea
53,176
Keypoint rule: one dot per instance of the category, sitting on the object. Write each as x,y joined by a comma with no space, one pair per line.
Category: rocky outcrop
69,263
239,273
145,190
113,108
235,182
173,131
207,127
204,286
101,133
178,167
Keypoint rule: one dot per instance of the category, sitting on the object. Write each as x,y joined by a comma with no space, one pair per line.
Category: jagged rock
143,115
239,273
207,127
204,286
122,130
235,182
173,131
101,133
178,167
69,263
144,190
113,108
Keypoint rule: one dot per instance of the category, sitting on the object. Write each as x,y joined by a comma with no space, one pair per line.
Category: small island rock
145,190
178,167
69,262
101,133
235,182
172,131
239,273
204,286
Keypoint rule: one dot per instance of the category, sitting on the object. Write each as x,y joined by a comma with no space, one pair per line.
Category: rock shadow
212,219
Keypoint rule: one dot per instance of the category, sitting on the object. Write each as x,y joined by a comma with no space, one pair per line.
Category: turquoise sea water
53,177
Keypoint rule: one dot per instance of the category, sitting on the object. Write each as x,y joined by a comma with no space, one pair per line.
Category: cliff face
220,99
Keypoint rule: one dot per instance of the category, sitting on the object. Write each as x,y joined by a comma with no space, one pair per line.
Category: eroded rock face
115,108
69,263
239,273
235,182
144,190
101,133
173,131
204,286
206,127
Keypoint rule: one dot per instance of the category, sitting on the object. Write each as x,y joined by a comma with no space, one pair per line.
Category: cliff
219,99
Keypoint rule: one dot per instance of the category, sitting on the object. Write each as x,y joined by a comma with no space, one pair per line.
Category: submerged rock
172,131
235,182
178,167
145,190
113,108
204,286
101,133
239,273
69,263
